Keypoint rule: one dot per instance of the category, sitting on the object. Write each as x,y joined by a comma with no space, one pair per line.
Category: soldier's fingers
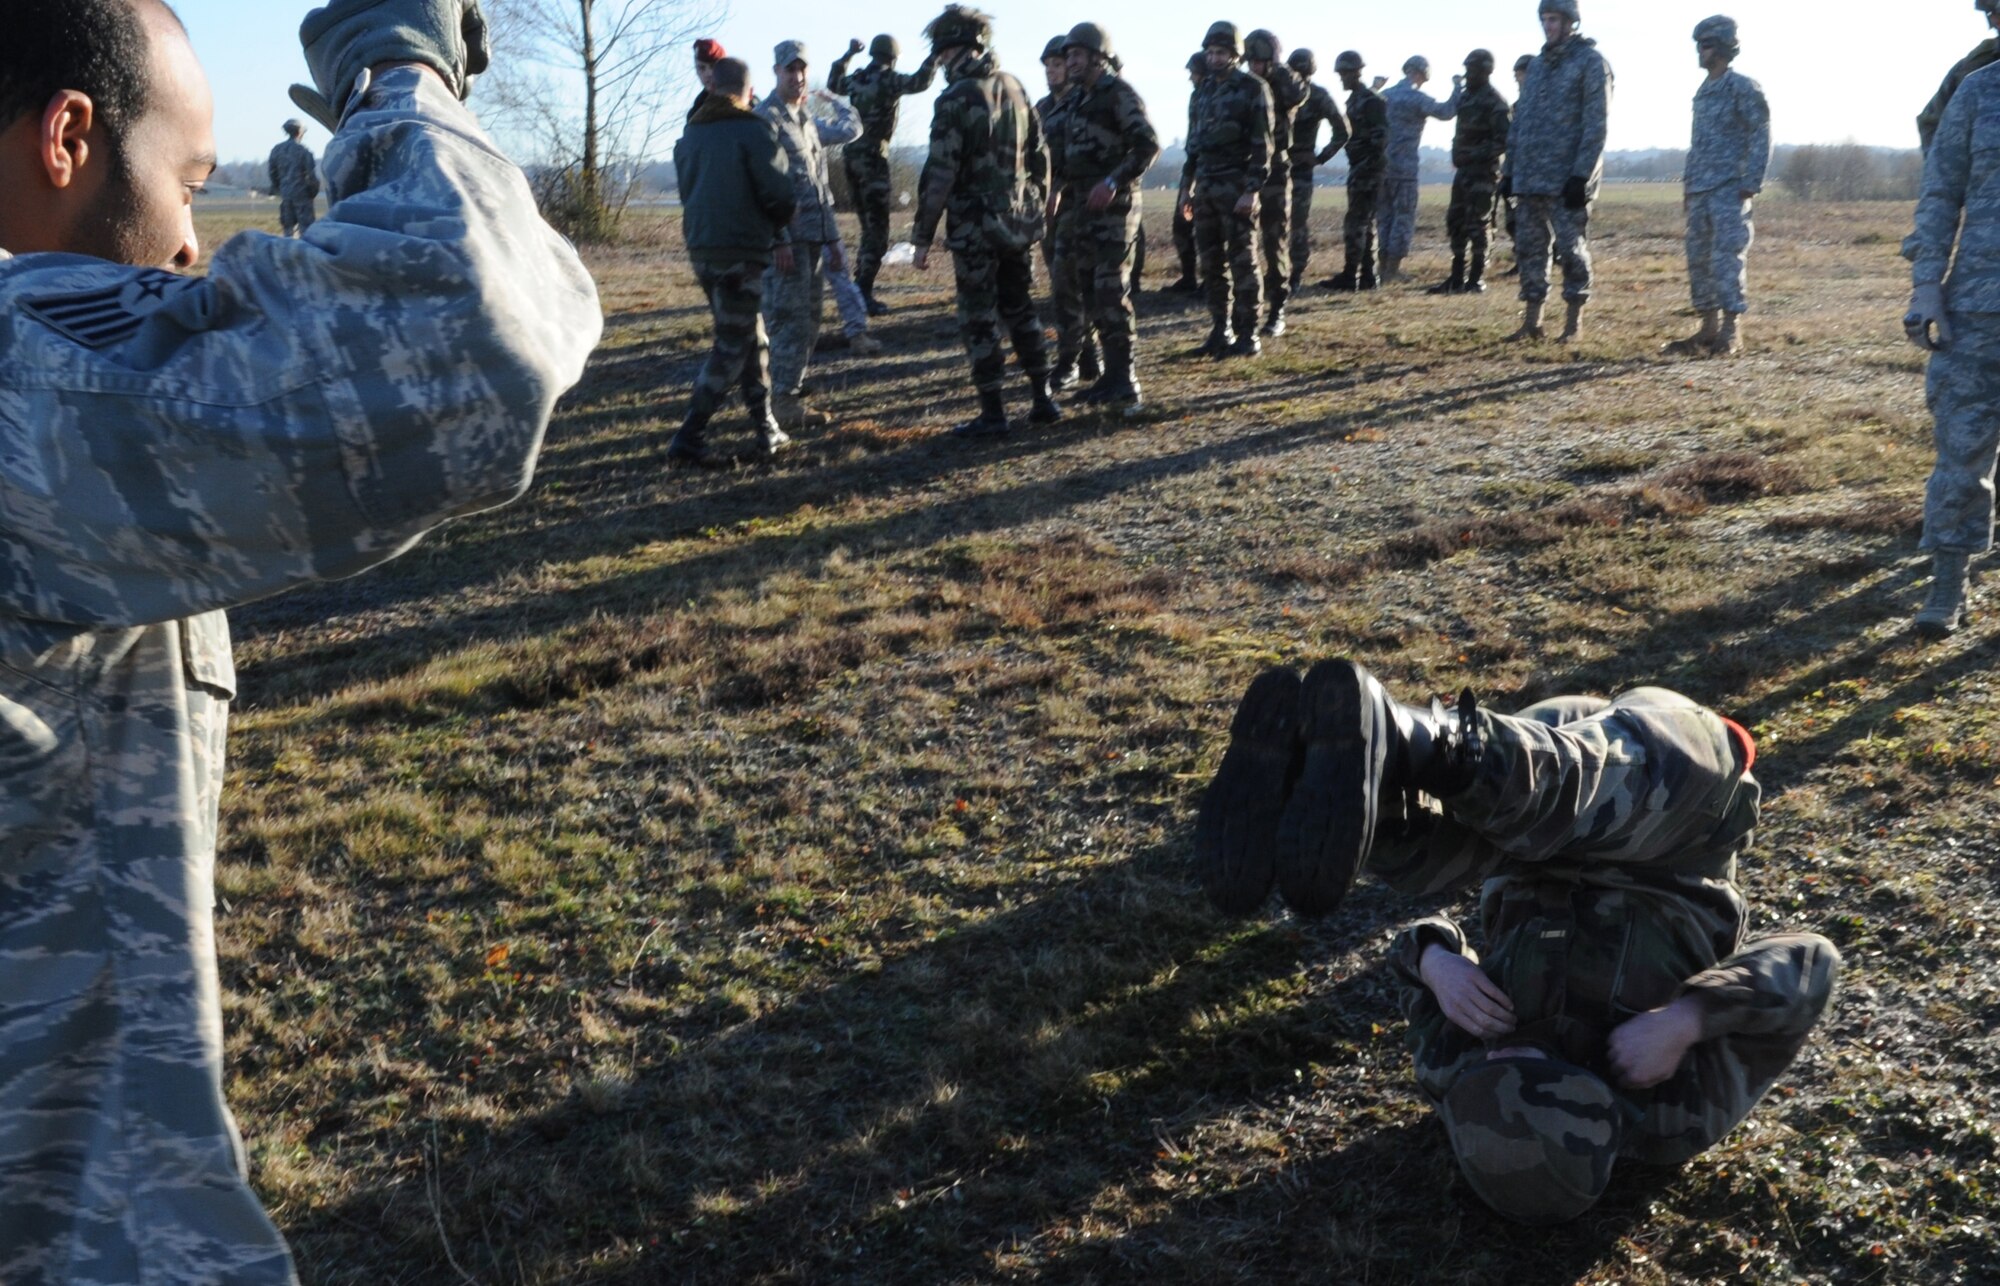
1492,990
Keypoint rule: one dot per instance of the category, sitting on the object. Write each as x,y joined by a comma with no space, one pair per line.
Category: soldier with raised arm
294,172
876,94
1476,152
1409,109
1307,155
180,445
1730,152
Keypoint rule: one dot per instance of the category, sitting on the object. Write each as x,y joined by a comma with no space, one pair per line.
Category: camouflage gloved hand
344,39
1576,192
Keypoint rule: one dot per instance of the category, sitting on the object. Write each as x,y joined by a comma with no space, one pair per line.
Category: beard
119,226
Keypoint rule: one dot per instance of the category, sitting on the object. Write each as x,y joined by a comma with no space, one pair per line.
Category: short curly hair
960,25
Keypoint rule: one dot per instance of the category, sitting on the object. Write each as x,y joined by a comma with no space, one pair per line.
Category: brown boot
1531,323
1699,344
1944,611
1572,324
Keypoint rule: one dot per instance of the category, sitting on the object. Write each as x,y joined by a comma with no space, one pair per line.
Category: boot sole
1235,834
1329,823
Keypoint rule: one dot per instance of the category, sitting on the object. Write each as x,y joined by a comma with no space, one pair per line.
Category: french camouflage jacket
1984,54
876,94
1053,111
988,168
1104,134
1229,140
1317,109
1368,136
1731,147
1481,141
1959,204
1288,95
1560,120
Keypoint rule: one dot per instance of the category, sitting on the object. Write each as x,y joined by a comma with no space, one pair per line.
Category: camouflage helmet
959,25
1416,64
1224,34
1261,46
1055,47
1481,58
1349,60
1303,62
1198,63
1567,8
1088,35
885,48
1722,29
1522,63
1534,1137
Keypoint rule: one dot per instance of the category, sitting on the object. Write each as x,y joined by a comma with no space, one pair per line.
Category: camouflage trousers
1963,389
1543,223
1718,250
868,183
1184,243
740,354
1104,250
1227,244
996,301
1397,214
848,299
296,215
1302,209
1274,236
1363,194
1469,220
792,304
1062,252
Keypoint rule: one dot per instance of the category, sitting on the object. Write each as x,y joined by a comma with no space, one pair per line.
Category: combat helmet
1088,35
1416,64
885,48
1722,29
295,127
1224,34
1481,58
1261,46
1198,63
1349,60
1055,47
1534,1137
1303,62
1567,8
960,25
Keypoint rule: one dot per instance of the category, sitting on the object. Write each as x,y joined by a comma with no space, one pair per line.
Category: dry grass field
781,874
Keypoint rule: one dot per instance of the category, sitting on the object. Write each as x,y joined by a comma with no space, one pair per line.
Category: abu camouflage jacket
1560,120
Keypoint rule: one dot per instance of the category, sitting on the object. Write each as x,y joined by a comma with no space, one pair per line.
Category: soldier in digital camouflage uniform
1507,203
294,175
1189,282
1274,204
1617,1010
1476,152
1731,149
1307,155
1409,109
1107,144
1555,161
1984,54
987,179
1076,333
1229,157
177,446
876,93
1954,312
1367,144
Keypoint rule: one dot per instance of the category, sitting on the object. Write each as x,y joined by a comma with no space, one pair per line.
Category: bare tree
586,90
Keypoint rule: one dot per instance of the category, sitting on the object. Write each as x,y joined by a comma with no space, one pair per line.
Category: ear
67,136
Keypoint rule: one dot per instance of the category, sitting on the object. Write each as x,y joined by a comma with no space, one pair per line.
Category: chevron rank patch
110,314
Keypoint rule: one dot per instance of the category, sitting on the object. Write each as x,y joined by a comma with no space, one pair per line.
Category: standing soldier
793,298
876,95
1367,143
1507,202
1984,53
294,180
1107,147
1190,280
1307,155
1076,338
1410,109
1731,150
1274,203
1476,152
1960,325
989,170
1229,157
1555,160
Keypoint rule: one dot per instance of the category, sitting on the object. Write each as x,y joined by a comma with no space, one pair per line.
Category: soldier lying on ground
1618,1011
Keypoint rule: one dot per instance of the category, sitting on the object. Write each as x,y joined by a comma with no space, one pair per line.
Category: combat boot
1392,270
1572,322
770,438
1247,344
1359,747
1531,322
1087,365
1699,344
1453,284
991,420
1186,284
1475,276
1729,339
1045,410
863,343
876,308
796,413
1342,281
1367,280
1274,324
1236,829
1944,611
1065,375
689,444
1218,342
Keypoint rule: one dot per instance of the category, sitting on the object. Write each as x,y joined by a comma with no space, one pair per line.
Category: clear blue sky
1834,69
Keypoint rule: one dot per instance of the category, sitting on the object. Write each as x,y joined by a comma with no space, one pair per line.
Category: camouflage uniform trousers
1963,389
1227,244
848,299
1398,214
1718,250
1184,243
870,188
741,353
792,304
1066,282
1575,783
1364,192
296,215
1302,209
1539,221
1469,220
1274,235
1104,249
996,301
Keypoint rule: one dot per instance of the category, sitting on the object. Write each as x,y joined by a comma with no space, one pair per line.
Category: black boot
1045,410
1119,388
1274,324
876,308
1065,375
1218,342
770,438
1236,830
992,418
1367,280
1360,747
689,444
1246,344
1344,280
1455,283
1475,276
1087,364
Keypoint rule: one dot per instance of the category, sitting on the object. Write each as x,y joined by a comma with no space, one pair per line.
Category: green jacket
735,185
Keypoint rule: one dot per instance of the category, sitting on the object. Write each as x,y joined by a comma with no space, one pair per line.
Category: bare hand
1101,198
782,257
1379,82
1471,1000
1458,82
1247,204
1648,1048
1187,211
853,46
1926,323
836,257
922,260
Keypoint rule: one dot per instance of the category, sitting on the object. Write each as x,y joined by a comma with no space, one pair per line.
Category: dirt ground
781,873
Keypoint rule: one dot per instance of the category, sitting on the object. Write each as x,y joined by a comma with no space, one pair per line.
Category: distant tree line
1849,172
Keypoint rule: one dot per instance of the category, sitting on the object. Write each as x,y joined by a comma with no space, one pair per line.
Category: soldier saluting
876,94
1229,155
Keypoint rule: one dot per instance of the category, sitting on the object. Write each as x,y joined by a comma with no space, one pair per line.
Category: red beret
708,51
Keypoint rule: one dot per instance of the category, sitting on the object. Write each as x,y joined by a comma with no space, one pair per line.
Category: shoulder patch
109,314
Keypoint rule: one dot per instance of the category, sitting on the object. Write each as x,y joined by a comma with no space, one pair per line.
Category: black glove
1576,192
344,39
1507,189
